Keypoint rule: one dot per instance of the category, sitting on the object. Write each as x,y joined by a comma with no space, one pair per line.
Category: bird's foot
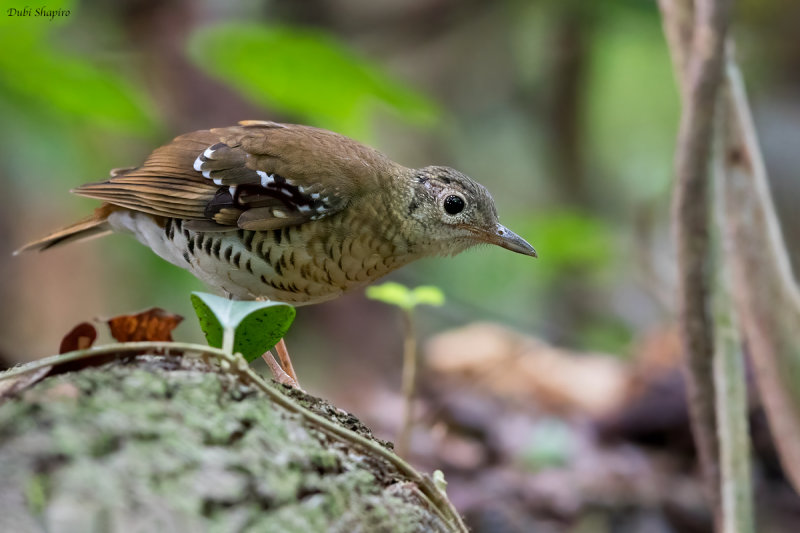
286,362
278,372
283,371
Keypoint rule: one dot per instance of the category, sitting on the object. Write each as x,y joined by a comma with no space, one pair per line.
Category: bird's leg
286,362
283,372
277,371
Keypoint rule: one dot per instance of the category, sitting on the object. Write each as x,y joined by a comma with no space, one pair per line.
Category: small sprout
246,327
407,299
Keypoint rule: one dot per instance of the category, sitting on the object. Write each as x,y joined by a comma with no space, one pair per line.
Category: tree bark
178,444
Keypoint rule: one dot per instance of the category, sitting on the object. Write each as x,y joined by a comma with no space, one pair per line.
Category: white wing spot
266,179
232,190
277,213
198,164
301,189
217,181
207,174
303,208
208,153
314,195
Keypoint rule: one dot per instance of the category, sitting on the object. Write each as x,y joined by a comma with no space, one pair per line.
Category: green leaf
250,328
407,299
305,72
209,322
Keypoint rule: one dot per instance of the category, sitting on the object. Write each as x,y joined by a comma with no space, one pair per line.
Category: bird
287,212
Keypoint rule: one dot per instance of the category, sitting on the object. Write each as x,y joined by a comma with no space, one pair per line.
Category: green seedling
246,327
407,300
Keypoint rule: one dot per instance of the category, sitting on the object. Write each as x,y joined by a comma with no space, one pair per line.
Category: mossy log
156,443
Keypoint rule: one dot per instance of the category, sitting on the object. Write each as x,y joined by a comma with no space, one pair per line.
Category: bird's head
454,212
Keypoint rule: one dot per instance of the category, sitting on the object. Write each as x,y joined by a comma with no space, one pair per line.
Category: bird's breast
304,264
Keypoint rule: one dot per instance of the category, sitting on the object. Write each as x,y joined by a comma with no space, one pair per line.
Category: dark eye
453,204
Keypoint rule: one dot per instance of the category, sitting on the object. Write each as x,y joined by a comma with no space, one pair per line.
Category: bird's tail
95,225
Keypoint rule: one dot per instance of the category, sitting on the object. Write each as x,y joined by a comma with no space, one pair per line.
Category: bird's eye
453,204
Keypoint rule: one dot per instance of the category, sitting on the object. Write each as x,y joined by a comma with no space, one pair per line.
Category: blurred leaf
550,445
305,72
391,293
154,325
37,73
633,105
569,239
606,333
401,296
80,337
36,494
428,295
249,328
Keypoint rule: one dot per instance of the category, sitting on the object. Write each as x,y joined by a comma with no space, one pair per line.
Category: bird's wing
257,175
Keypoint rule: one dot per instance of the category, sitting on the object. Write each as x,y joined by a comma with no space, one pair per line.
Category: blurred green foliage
550,444
306,73
608,334
572,241
43,77
633,105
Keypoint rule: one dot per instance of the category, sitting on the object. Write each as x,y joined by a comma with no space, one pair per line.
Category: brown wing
258,175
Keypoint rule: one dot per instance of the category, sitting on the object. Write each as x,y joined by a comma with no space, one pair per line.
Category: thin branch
107,349
677,17
438,501
729,363
764,288
702,77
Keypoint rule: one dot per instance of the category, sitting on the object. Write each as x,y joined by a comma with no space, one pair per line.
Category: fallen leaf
154,324
79,338
510,365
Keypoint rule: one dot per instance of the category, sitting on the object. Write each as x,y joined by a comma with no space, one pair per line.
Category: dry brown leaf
515,366
153,324
80,337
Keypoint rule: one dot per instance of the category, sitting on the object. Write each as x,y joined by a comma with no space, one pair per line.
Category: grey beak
511,241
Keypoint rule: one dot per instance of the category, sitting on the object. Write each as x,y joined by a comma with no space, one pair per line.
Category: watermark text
42,12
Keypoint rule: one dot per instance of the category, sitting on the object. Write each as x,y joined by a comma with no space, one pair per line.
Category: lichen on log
177,444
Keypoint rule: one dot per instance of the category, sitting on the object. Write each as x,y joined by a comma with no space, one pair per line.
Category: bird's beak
502,236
